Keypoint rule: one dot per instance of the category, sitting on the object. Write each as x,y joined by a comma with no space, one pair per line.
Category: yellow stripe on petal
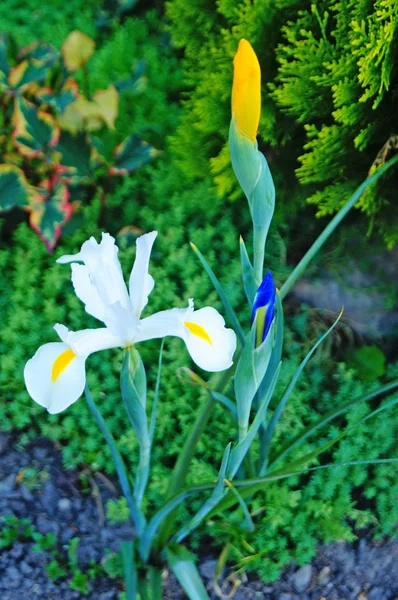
199,331
246,90
61,363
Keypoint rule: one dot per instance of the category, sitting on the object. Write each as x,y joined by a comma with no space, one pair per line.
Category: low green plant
51,161
249,462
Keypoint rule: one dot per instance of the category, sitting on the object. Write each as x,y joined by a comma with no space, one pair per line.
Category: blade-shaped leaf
249,282
226,402
218,287
130,570
156,398
50,210
131,154
280,408
250,372
4,64
210,502
13,187
183,566
332,414
240,450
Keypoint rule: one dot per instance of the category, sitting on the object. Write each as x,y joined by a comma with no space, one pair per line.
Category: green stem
258,254
327,232
137,516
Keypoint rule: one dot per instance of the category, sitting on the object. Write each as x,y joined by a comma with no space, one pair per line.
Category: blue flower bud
264,308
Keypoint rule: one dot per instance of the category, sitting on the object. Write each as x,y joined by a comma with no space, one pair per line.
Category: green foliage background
329,88
176,195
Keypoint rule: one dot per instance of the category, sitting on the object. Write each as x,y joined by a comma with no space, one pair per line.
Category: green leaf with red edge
50,210
132,153
35,131
14,187
59,101
36,60
77,153
40,52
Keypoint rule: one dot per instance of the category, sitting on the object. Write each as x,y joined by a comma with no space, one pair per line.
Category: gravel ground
340,571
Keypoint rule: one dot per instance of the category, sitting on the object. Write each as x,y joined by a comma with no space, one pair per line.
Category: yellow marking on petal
199,331
246,90
61,363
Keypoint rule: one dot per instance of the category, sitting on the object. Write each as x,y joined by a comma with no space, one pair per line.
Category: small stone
7,484
208,568
377,593
25,568
301,578
49,498
12,579
107,596
44,525
64,505
285,596
26,494
324,576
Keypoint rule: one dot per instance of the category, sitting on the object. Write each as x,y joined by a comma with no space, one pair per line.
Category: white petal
87,292
104,270
141,283
209,343
87,341
55,393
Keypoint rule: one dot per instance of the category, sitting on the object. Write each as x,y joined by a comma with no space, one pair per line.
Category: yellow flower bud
246,90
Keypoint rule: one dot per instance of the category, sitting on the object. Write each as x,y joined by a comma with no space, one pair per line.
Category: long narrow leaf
240,450
249,283
332,414
210,502
309,457
280,408
156,398
130,571
327,232
217,286
183,566
226,402
137,516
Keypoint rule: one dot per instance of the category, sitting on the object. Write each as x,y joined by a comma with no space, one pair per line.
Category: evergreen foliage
328,96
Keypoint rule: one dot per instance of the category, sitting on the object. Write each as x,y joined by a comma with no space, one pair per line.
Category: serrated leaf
50,210
77,49
35,131
76,152
60,101
132,153
13,187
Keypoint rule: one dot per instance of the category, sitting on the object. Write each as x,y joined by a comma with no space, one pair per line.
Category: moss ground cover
183,205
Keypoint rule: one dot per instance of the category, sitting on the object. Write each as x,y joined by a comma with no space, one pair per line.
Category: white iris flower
55,377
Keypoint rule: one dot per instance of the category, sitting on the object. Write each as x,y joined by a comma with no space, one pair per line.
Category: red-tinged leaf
40,53
35,131
60,101
14,187
50,210
131,154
